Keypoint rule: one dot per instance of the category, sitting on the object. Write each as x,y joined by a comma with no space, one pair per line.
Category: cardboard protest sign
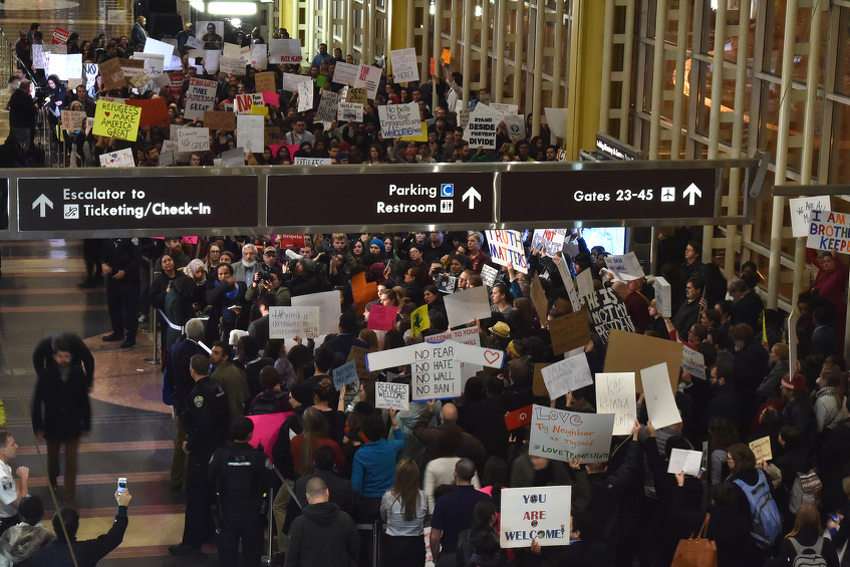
584,280
405,65
481,129
556,119
345,374
489,275
663,297
615,393
625,267
506,247
435,366
329,309
693,362
363,291
220,120
540,514
608,312
399,120
465,306
286,322
629,352
660,403
264,82
356,95
552,240
250,132
369,77
285,51
391,395
569,332
358,355
117,121
518,418
829,231
121,158
538,299
682,460
326,113
419,320
349,111
382,317
567,375
73,120
193,140
154,111
801,212
467,336
560,435
345,73
761,449
539,385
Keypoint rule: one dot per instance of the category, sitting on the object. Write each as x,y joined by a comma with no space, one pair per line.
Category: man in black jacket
61,414
42,355
22,114
323,536
86,553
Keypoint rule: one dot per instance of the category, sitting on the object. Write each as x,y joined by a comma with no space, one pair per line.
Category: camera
264,273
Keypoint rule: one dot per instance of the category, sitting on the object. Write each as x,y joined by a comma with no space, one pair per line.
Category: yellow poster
421,138
419,320
115,120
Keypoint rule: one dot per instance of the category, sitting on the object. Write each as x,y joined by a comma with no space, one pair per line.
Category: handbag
696,551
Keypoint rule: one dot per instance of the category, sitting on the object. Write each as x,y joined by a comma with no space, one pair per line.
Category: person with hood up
21,541
323,536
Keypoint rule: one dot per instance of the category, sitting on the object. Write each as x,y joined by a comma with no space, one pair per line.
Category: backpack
767,523
805,490
808,556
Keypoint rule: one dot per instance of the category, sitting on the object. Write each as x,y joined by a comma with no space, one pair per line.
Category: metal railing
7,55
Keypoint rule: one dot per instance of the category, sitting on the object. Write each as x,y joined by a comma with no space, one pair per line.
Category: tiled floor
132,433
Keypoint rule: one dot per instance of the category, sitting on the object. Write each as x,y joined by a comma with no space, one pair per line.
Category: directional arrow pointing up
42,201
691,193
471,194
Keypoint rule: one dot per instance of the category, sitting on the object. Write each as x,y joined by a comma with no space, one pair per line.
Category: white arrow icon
42,201
691,193
471,194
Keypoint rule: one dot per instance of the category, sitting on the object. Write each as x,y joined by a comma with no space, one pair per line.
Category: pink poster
382,317
266,428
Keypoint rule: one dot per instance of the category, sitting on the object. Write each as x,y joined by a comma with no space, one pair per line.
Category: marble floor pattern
132,431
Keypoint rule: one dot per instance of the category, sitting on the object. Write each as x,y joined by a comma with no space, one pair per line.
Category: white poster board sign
121,158
349,111
285,51
660,403
693,362
467,336
568,375
345,73
829,230
801,212
329,308
287,322
481,130
193,140
250,133
159,47
465,306
663,297
391,395
368,77
560,435
682,460
506,247
405,65
540,514
615,394
399,120
625,267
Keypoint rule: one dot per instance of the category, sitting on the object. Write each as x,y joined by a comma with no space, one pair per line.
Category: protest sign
356,95
504,109
625,267
166,159
196,108
264,82
446,57
121,158
259,57
540,514
761,449
399,120
539,300
40,57
293,82
60,36
423,137
232,50
560,435
505,247
306,94
382,317
231,65
154,111
297,241
801,212
329,309
515,123
368,77
285,51
193,140
233,158
349,111
131,68
518,418
271,98
194,43
446,283
482,128
556,119
405,65
345,374
362,291
326,113
304,160
345,73
73,120
201,88
175,87
607,311
792,337
250,132
538,384
663,297
287,322
65,66
242,104
682,460
116,17
435,366
660,403
569,331
358,355
628,352
693,362
567,375
569,284
219,120
552,240
467,336
465,306
169,146
584,279
829,231
117,121
419,320
615,393
160,47
391,395
488,275
266,429
154,63
91,70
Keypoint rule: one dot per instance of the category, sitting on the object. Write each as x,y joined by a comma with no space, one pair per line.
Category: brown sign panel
380,199
539,196
136,203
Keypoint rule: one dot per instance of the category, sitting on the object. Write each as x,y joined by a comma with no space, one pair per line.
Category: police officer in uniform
120,259
241,476
207,419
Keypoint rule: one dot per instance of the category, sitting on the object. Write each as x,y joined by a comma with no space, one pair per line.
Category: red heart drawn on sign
106,113
491,356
